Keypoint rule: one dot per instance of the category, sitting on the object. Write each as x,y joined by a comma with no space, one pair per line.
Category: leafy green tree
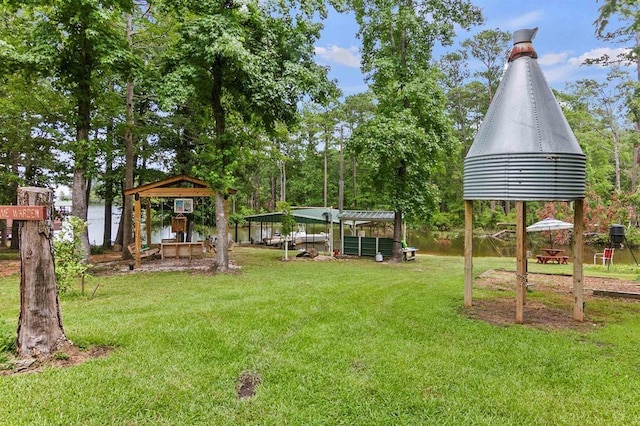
355,109
69,254
594,141
619,23
241,62
75,43
606,103
491,48
405,140
287,221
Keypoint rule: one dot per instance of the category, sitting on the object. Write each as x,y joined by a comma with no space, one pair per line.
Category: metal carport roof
302,215
318,215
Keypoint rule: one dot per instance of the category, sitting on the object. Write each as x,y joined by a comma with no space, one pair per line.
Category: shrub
69,256
443,221
7,343
97,249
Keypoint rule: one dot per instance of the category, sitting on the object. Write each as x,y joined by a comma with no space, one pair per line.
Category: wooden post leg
578,251
468,252
138,216
521,260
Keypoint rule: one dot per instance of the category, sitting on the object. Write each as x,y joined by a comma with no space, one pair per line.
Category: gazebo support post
148,222
468,252
521,260
138,214
578,251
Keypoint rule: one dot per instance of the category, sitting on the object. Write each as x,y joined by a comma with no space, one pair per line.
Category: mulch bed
557,314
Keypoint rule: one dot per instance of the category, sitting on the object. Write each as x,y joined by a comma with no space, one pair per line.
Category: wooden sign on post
40,330
23,212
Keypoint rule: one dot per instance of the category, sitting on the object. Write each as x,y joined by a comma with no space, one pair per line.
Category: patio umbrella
549,224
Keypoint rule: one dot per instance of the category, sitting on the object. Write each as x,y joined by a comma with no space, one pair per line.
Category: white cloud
340,55
596,53
559,74
524,21
553,59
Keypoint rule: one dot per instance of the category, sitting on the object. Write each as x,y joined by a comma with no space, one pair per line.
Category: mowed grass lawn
336,342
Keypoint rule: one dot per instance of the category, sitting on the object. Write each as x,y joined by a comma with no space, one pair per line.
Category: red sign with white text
23,212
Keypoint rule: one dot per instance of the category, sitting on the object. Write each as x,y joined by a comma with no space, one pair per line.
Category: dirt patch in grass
68,355
111,263
246,384
9,267
556,312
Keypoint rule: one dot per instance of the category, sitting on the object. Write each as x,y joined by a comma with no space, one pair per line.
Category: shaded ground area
557,313
68,355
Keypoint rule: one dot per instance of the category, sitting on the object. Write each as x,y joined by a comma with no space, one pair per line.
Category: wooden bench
544,259
145,252
409,253
177,250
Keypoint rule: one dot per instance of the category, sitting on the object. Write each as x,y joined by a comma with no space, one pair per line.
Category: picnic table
552,255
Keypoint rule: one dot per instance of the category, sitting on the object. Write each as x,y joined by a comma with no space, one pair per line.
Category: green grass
338,342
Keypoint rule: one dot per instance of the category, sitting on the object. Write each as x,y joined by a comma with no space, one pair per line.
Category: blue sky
566,36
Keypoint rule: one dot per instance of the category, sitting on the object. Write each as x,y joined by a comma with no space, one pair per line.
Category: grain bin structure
524,151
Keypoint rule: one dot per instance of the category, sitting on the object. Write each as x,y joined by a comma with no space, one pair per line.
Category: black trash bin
616,234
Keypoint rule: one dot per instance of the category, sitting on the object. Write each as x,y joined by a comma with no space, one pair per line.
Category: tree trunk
40,330
108,195
355,182
13,188
341,173
397,237
222,240
82,157
129,163
326,174
80,205
616,159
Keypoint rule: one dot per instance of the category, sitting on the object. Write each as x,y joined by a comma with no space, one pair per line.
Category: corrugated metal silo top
524,149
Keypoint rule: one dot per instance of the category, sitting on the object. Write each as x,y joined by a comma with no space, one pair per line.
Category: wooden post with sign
40,330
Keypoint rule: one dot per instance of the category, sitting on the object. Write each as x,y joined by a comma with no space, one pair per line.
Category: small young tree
287,220
69,253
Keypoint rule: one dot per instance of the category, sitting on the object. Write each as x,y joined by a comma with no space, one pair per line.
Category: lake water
482,246
95,218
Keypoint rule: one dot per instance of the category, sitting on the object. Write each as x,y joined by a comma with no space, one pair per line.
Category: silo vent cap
524,36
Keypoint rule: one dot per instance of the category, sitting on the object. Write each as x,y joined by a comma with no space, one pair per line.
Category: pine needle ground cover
322,342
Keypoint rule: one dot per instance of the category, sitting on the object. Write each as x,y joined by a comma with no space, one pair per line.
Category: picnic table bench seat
544,259
144,252
409,253
182,249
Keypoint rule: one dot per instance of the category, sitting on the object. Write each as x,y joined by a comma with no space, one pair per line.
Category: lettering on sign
23,212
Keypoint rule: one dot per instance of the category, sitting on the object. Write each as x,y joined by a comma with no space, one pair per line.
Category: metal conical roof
524,149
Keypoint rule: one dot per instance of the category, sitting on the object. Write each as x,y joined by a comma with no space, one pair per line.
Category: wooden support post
148,221
521,260
40,330
468,252
137,219
578,251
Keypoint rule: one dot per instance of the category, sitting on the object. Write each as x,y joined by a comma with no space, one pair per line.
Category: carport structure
361,245
326,216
